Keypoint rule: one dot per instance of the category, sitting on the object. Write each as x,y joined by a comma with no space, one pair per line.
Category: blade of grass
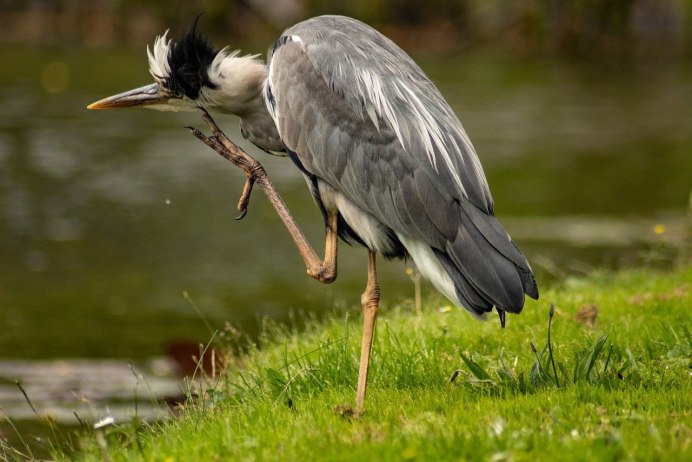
550,345
475,368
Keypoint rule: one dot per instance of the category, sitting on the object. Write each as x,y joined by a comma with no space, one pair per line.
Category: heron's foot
220,143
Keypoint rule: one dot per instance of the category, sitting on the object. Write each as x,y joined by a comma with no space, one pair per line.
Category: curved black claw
502,317
196,132
242,214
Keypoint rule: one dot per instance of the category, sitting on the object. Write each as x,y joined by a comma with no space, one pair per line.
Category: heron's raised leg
370,301
322,270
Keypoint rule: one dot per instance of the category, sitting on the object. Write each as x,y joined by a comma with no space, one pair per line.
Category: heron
384,156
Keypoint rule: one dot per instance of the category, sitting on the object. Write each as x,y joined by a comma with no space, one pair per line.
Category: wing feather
388,92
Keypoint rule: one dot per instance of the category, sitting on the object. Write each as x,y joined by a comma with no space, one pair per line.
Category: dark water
107,218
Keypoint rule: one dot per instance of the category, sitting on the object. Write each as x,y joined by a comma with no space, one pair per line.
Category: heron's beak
142,96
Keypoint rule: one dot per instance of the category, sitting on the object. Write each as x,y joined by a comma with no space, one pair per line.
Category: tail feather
495,234
479,269
467,294
485,265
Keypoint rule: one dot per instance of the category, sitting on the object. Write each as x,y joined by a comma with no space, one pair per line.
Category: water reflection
70,391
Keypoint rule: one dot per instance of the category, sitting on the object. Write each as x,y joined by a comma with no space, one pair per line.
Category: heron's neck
239,81
239,84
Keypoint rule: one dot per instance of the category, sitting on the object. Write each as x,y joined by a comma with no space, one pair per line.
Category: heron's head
190,73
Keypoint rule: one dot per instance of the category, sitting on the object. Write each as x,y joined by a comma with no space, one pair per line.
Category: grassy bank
445,387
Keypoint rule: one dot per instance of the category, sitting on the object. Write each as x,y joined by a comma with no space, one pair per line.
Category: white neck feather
239,81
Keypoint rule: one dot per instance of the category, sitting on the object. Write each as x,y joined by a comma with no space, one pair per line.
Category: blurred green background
519,27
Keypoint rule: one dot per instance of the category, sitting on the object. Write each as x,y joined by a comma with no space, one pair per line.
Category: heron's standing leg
370,301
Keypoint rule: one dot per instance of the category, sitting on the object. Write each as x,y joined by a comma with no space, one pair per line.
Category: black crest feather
189,60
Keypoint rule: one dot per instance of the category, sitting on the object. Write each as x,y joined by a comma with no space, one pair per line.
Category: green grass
618,390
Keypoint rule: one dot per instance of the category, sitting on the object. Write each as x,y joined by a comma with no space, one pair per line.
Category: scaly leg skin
370,301
245,198
322,270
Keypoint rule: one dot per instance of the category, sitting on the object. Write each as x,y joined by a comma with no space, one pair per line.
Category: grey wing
363,117
388,93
